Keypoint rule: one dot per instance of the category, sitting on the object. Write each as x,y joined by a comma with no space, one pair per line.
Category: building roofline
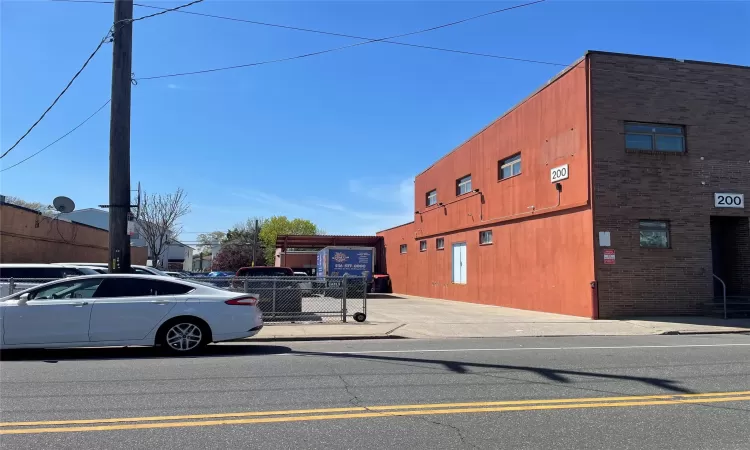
559,75
663,58
397,226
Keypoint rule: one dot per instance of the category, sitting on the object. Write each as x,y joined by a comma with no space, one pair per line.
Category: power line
387,41
166,10
329,33
370,41
58,139
106,38
91,56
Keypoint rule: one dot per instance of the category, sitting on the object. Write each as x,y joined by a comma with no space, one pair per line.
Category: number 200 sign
725,200
559,173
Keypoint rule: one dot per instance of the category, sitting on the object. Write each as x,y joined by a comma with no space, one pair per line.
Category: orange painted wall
540,260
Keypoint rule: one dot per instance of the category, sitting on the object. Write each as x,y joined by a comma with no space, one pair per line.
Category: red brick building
617,189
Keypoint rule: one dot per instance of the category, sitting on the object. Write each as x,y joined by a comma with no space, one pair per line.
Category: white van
28,275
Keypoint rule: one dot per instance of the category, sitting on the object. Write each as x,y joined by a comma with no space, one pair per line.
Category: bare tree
158,218
47,210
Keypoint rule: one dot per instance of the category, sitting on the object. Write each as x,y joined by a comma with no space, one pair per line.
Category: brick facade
548,261
26,236
712,102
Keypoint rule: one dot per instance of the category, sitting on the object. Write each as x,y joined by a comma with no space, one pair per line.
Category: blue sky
335,138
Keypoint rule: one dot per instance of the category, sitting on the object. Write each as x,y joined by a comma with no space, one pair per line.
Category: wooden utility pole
255,240
119,138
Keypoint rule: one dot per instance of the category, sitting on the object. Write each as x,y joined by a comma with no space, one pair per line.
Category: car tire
183,336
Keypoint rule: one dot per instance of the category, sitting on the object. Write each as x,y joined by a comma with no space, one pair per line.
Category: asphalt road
681,392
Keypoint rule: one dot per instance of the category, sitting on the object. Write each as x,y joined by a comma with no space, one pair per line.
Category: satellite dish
63,204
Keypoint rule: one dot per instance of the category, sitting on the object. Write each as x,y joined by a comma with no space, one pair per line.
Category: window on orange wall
463,185
485,237
422,246
509,167
431,198
440,243
402,249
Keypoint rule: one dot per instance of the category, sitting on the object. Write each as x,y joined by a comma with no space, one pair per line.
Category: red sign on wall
609,256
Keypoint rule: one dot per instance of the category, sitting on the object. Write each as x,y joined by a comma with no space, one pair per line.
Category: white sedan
121,310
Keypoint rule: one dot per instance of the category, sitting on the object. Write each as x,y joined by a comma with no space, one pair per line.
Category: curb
324,338
688,333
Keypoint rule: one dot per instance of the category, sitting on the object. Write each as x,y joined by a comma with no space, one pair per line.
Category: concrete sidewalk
402,316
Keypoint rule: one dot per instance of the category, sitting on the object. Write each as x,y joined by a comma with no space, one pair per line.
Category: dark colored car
276,289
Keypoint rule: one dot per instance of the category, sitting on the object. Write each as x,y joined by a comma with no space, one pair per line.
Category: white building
177,256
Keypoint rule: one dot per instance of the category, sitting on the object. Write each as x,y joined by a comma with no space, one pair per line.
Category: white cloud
172,86
380,205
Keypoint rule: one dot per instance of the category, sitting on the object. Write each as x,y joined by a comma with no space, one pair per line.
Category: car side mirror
23,299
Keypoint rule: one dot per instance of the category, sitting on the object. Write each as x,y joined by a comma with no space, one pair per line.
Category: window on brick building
422,246
463,185
485,237
440,243
509,167
651,136
432,197
402,249
654,233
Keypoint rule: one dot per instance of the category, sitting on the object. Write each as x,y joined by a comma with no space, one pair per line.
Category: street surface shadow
115,353
551,374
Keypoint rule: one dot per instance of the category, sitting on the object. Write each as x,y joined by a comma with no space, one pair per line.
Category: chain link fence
301,299
282,299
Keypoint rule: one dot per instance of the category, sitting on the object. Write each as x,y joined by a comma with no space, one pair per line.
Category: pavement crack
353,398
464,439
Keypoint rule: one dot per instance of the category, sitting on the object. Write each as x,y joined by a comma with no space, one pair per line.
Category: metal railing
724,289
282,299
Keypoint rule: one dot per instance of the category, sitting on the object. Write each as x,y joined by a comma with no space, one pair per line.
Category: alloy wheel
184,337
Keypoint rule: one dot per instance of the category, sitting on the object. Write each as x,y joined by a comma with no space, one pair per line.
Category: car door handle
78,304
160,302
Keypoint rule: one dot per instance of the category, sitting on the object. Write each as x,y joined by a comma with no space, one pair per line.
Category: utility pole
119,138
255,240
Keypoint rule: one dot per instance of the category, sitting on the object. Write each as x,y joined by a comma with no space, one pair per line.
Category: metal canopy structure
288,241
317,242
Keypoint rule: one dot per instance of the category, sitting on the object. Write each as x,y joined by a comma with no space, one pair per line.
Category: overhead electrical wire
330,50
386,41
58,139
107,38
54,102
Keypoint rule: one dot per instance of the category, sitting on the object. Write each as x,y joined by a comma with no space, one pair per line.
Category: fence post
364,297
245,285
11,286
273,306
343,300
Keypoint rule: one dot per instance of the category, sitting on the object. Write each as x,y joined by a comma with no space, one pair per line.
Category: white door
459,263
128,309
54,314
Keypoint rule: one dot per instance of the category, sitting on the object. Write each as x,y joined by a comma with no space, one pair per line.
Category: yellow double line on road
359,412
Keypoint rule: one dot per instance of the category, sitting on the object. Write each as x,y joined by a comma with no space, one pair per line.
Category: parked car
282,296
220,279
306,284
123,310
24,275
134,268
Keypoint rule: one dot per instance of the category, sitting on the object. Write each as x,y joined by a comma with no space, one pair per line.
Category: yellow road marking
372,413
368,408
